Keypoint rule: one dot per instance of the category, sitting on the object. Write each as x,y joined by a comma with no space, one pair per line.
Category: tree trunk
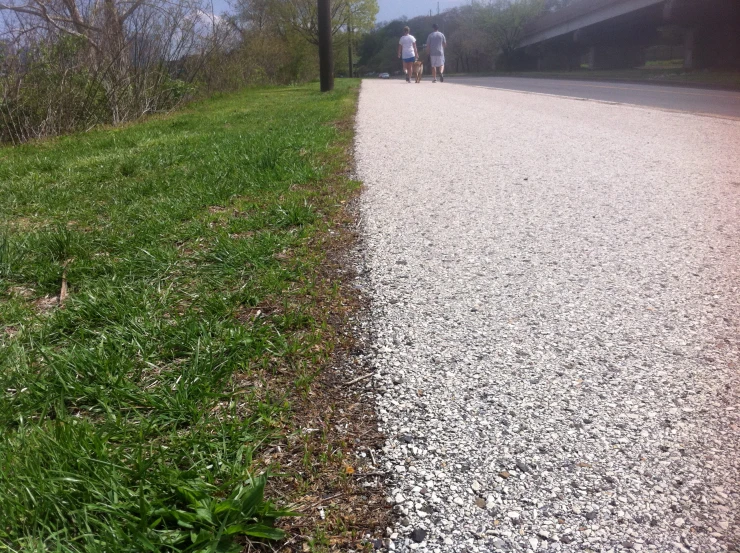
114,61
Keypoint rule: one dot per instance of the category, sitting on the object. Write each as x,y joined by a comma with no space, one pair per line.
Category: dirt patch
342,126
21,292
329,460
242,235
46,304
248,315
23,224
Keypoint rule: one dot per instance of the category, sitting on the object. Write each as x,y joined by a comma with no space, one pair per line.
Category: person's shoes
442,78
434,80
408,79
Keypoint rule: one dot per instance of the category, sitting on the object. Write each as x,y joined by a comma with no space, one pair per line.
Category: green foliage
505,21
378,49
9,256
49,91
130,418
301,16
53,89
278,42
476,34
210,524
82,491
156,56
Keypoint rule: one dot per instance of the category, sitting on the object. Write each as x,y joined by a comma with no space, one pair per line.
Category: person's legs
438,62
408,68
434,73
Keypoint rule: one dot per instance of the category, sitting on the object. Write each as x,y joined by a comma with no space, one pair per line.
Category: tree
477,34
129,56
378,48
469,42
101,23
272,50
252,15
505,21
268,24
302,17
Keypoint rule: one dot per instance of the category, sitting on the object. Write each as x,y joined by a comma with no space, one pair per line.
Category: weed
9,256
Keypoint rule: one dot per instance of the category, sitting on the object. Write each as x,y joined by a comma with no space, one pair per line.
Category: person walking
408,52
436,44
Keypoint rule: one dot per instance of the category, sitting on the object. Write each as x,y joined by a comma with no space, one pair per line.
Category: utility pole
326,54
349,39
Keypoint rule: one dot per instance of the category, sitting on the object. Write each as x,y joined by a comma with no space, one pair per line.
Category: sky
392,9
220,6
389,9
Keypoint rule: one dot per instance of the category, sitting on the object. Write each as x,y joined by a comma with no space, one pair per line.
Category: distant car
384,76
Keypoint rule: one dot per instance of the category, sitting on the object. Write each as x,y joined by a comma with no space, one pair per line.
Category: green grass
133,416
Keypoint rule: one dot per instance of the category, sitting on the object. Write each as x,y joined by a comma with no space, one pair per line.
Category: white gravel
556,308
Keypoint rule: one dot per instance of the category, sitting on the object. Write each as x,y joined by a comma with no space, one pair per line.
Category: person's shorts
409,60
437,61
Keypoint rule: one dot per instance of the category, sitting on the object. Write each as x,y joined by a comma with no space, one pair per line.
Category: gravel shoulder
555,288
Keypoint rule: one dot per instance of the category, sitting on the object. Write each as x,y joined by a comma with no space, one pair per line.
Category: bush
51,88
46,91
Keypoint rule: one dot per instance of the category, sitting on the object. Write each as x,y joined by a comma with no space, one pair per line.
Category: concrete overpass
613,33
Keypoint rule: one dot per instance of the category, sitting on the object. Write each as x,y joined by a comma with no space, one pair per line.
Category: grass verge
169,296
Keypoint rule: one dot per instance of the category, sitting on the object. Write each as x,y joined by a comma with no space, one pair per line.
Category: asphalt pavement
692,100
555,295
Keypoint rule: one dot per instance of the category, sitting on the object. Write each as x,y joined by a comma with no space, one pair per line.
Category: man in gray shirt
436,44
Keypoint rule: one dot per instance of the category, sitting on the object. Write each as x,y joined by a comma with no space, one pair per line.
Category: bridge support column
689,43
558,56
715,46
591,58
613,57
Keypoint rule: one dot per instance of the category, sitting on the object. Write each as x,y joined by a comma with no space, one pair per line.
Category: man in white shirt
436,44
407,52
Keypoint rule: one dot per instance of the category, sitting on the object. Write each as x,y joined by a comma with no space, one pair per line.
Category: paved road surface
556,305
694,100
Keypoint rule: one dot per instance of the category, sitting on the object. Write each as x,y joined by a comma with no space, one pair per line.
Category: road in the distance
694,100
